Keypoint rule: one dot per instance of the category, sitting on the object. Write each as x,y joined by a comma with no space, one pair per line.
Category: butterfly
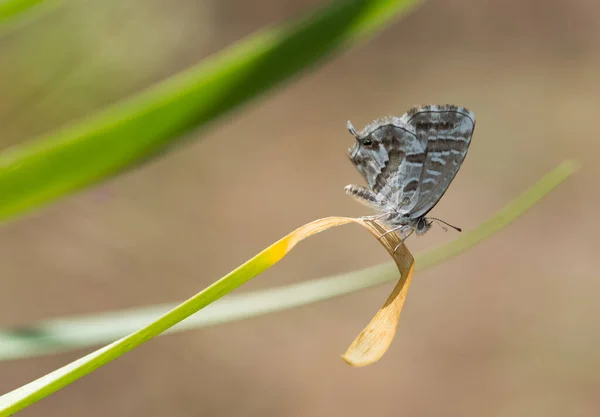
409,162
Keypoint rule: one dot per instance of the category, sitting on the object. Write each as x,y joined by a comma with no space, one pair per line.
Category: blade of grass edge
129,133
59,335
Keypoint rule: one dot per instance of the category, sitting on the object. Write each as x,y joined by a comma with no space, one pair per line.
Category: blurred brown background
509,329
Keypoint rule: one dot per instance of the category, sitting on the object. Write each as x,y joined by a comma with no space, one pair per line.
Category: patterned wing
445,132
389,156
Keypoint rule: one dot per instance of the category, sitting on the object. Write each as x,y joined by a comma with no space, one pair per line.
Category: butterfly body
409,162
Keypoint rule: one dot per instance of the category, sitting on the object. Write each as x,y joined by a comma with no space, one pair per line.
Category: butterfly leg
403,230
402,241
391,231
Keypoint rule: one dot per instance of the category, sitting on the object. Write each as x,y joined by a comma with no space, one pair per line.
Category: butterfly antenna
458,229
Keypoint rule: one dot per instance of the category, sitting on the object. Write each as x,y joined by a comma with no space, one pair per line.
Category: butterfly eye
367,142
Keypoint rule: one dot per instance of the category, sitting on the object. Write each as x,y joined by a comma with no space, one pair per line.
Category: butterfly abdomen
360,193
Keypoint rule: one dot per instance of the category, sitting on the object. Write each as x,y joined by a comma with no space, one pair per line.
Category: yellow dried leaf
372,343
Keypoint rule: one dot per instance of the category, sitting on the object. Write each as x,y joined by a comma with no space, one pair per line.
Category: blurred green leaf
117,139
12,9
51,166
36,390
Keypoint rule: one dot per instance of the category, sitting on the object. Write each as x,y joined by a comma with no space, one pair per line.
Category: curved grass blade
71,333
28,394
127,134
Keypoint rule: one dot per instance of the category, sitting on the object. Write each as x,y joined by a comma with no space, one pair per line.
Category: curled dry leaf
372,343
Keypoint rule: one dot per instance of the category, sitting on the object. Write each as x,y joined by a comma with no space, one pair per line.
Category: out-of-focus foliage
11,10
51,166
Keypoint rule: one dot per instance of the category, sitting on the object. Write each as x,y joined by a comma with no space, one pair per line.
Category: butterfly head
422,226
365,144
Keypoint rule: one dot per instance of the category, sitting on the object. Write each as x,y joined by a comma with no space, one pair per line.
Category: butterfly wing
445,132
391,163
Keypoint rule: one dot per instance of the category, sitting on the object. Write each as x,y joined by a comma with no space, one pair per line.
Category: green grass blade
51,166
36,390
